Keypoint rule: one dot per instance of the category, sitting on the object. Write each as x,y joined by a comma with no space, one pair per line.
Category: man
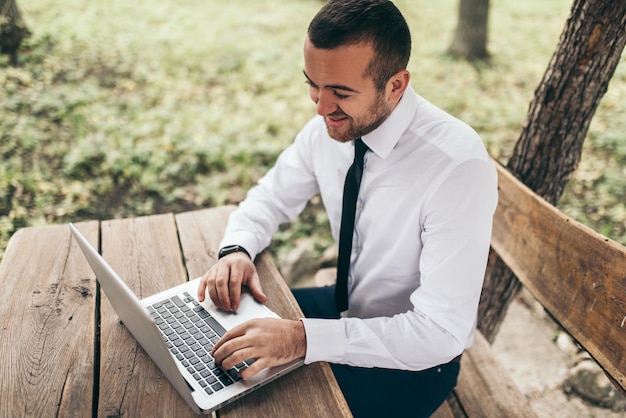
421,235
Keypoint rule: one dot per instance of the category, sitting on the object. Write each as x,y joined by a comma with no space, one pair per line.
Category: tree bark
12,28
549,148
470,36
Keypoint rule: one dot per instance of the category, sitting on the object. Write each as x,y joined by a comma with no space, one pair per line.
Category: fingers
254,284
202,287
236,357
233,284
233,348
270,342
216,282
224,280
253,369
227,289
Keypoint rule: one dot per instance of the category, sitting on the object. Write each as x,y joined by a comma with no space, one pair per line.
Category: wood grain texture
444,411
145,252
200,235
484,387
578,275
47,324
310,391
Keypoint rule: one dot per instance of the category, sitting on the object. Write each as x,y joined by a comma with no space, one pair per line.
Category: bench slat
444,411
578,275
484,387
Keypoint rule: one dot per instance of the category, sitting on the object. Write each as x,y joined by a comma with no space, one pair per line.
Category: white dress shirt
421,240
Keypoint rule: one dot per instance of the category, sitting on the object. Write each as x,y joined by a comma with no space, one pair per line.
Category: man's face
349,102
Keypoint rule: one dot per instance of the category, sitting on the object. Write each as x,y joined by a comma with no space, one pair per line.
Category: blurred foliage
118,109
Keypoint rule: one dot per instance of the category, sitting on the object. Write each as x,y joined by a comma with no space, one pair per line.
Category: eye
340,96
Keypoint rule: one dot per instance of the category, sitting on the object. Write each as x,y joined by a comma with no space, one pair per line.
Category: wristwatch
229,249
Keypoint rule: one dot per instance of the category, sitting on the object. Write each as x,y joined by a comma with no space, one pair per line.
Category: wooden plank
145,253
47,324
443,411
200,234
455,407
485,389
578,275
310,391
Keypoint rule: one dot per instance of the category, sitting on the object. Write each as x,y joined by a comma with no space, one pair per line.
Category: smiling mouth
336,121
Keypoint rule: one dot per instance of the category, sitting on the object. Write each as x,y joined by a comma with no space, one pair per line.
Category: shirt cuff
325,340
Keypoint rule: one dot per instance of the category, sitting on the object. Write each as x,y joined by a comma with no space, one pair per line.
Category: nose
324,101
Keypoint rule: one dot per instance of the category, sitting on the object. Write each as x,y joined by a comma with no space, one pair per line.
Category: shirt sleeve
456,236
277,198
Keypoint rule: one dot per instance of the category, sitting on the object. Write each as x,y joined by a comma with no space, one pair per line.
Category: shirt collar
383,139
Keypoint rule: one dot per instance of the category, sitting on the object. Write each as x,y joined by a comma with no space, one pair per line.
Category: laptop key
229,378
192,335
215,325
178,301
159,304
233,373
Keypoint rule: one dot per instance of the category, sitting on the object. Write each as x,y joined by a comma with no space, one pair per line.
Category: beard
377,113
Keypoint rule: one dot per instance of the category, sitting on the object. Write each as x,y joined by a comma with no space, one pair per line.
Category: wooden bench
578,276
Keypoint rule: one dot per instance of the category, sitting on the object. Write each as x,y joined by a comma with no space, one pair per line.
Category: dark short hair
379,22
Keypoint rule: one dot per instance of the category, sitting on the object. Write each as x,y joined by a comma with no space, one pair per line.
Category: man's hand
224,280
271,342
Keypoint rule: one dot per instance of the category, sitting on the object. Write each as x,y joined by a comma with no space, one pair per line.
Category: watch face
232,249
225,251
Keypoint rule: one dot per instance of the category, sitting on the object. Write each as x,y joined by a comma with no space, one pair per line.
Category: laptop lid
134,316
133,313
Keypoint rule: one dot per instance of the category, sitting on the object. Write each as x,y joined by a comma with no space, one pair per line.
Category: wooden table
63,351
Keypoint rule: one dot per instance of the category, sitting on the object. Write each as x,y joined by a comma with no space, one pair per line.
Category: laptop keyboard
190,333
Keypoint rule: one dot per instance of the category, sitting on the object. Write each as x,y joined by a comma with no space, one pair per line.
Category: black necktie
350,193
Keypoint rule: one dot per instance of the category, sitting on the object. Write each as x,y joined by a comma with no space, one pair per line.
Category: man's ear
396,86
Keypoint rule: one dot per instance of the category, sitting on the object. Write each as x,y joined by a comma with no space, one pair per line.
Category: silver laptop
178,332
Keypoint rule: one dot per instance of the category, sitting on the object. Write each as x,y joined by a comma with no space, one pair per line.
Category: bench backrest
578,275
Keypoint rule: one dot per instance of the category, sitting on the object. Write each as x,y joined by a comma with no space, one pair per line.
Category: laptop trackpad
248,309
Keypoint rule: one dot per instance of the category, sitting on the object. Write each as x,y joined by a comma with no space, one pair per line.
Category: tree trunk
470,36
549,148
12,28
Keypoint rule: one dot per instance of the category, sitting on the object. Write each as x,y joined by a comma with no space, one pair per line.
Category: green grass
124,108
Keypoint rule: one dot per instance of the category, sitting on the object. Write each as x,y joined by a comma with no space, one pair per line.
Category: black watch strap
229,249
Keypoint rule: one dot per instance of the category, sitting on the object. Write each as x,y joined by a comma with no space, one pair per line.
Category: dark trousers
375,392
